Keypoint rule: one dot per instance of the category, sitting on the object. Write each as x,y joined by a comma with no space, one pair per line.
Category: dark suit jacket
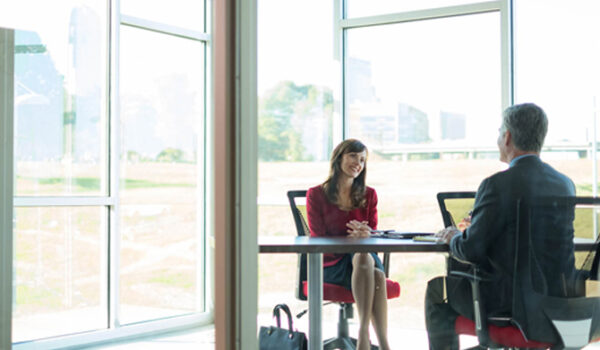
490,240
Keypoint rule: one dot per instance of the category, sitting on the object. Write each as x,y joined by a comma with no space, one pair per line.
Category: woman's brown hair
359,187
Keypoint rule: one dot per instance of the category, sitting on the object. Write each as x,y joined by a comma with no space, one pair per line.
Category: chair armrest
481,326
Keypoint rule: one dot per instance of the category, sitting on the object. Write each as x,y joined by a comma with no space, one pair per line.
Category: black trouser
440,313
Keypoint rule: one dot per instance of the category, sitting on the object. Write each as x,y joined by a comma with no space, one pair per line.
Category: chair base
345,343
343,339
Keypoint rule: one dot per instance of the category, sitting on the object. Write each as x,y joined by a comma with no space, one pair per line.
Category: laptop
455,207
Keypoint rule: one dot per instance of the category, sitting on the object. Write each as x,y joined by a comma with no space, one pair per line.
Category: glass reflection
60,271
60,123
162,114
568,56
188,14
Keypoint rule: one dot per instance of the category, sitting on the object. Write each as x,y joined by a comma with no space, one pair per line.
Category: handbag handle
286,309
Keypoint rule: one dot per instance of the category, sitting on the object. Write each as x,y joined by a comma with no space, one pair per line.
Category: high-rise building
412,125
453,126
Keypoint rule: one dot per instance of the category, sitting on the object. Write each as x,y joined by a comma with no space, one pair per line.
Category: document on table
430,238
402,234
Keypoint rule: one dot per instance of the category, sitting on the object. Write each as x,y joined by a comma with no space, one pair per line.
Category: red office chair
331,292
539,320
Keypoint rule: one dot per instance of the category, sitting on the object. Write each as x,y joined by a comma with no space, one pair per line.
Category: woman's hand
358,229
446,234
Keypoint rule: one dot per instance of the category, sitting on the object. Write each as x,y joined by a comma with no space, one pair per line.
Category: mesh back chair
454,207
331,292
550,309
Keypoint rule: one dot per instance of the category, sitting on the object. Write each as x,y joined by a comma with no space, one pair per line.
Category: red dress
327,219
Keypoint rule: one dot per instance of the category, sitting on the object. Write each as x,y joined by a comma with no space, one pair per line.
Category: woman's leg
380,309
363,290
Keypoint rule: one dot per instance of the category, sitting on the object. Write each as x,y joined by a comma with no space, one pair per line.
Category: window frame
6,184
343,24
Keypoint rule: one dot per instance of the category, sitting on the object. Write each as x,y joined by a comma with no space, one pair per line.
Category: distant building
38,99
378,129
360,84
315,126
453,126
59,109
412,125
379,125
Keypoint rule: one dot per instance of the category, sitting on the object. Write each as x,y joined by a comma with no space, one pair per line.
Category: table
314,247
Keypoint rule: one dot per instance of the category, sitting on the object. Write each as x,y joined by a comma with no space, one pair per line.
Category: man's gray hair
528,126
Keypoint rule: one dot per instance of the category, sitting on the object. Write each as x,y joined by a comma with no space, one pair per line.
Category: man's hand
358,229
445,235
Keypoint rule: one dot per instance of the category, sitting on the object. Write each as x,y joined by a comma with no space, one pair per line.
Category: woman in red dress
344,206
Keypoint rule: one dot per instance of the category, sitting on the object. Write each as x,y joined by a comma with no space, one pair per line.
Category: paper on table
426,238
399,234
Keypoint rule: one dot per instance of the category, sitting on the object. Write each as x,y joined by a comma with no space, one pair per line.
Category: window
297,119
557,67
60,271
423,106
60,133
109,143
423,84
161,212
181,13
424,98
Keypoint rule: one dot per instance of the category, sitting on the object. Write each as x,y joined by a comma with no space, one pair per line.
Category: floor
204,339
199,339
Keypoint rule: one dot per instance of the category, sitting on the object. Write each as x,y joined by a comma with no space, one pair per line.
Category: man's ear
507,138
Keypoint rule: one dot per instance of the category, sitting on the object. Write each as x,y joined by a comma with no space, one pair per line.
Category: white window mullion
340,122
207,245
92,338
419,15
506,30
163,28
6,184
114,246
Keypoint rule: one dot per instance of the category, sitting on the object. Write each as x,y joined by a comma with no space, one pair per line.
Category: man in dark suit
490,239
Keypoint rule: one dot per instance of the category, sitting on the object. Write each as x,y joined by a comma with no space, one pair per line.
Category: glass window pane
60,119
162,114
428,107
187,14
60,284
556,66
362,8
297,87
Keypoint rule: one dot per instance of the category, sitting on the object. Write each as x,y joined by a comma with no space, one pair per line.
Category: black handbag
277,338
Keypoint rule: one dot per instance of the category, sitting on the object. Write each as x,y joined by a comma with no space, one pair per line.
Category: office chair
454,207
540,318
331,292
